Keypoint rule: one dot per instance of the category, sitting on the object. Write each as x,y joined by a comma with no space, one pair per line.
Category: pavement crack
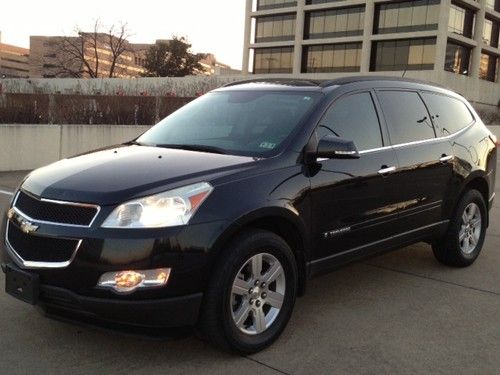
266,365
432,278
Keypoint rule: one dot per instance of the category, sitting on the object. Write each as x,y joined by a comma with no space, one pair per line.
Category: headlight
172,208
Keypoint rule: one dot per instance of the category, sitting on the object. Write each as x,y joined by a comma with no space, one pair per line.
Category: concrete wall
185,87
25,147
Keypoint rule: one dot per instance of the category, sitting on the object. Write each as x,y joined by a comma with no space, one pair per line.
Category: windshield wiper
202,148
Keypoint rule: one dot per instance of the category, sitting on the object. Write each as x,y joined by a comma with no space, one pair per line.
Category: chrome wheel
257,294
470,229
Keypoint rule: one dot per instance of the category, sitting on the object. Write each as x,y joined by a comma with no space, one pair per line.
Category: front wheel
252,293
465,235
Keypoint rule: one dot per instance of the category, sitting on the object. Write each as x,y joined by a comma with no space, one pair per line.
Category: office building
452,43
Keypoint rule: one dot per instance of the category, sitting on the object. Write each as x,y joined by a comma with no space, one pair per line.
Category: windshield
249,123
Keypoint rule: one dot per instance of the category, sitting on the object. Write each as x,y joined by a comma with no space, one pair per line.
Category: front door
353,201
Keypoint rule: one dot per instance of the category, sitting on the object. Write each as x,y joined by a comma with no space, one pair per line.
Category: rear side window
353,118
406,116
450,114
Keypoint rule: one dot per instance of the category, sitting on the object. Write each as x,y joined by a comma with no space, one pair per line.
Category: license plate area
22,285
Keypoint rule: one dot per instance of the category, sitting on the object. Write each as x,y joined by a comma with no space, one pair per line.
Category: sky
212,26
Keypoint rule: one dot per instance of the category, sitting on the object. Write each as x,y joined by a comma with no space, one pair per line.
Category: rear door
425,161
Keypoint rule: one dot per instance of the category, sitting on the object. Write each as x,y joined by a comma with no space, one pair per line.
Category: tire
463,240
223,308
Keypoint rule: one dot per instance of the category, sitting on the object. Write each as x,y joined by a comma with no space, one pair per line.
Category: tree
172,59
94,54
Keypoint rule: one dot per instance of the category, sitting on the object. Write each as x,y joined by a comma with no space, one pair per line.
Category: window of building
275,4
332,58
406,16
450,115
488,69
490,32
457,58
493,4
334,23
273,60
275,28
361,126
406,116
406,54
461,21
310,2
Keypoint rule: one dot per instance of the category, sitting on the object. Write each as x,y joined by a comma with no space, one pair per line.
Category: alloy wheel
257,294
470,229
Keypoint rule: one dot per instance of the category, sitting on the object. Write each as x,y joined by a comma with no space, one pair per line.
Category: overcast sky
214,26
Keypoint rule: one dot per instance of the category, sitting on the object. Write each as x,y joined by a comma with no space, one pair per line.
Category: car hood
117,174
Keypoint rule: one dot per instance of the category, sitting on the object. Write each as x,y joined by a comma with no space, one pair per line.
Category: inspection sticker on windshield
267,145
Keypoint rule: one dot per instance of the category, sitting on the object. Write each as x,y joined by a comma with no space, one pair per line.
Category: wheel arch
280,221
477,182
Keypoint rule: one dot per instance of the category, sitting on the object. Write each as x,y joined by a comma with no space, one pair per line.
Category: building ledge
462,39
409,35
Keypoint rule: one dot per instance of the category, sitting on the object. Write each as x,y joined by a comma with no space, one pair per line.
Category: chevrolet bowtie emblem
28,227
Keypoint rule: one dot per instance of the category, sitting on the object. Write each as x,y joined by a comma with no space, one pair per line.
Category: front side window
406,116
249,123
450,114
353,118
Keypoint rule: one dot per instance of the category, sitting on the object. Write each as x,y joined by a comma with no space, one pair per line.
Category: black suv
218,215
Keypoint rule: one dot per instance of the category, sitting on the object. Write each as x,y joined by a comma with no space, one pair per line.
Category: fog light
125,282
11,213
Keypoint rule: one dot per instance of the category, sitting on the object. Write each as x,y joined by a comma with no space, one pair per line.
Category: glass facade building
403,54
399,17
332,58
446,40
334,23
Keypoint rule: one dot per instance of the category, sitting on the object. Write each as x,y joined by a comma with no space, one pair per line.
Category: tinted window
406,116
360,125
450,114
252,123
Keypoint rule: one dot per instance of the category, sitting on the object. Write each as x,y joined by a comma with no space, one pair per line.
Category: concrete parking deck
398,313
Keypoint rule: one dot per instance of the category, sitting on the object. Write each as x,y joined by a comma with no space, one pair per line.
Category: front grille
33,248
55,212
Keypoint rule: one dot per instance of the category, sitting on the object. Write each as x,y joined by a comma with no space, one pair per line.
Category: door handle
386,170
445,158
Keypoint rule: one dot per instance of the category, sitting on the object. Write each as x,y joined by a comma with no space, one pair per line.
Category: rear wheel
465,236
252,293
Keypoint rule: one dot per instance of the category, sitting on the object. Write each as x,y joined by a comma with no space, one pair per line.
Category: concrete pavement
401,313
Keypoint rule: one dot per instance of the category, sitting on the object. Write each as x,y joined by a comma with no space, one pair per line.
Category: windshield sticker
307,98
267,145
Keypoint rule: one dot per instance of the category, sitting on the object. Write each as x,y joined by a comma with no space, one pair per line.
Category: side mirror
331,147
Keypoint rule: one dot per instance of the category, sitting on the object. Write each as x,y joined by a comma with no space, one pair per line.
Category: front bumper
149,313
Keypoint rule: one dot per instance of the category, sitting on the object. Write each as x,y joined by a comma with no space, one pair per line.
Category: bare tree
94,54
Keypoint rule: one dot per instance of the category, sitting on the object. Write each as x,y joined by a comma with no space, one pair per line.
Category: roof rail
283,81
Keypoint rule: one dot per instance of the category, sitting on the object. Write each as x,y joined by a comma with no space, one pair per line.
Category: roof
303,83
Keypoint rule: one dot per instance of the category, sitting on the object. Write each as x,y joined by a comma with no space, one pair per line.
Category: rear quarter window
450,114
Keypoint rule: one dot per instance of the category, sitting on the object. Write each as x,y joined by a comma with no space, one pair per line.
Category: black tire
216,319
448,250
